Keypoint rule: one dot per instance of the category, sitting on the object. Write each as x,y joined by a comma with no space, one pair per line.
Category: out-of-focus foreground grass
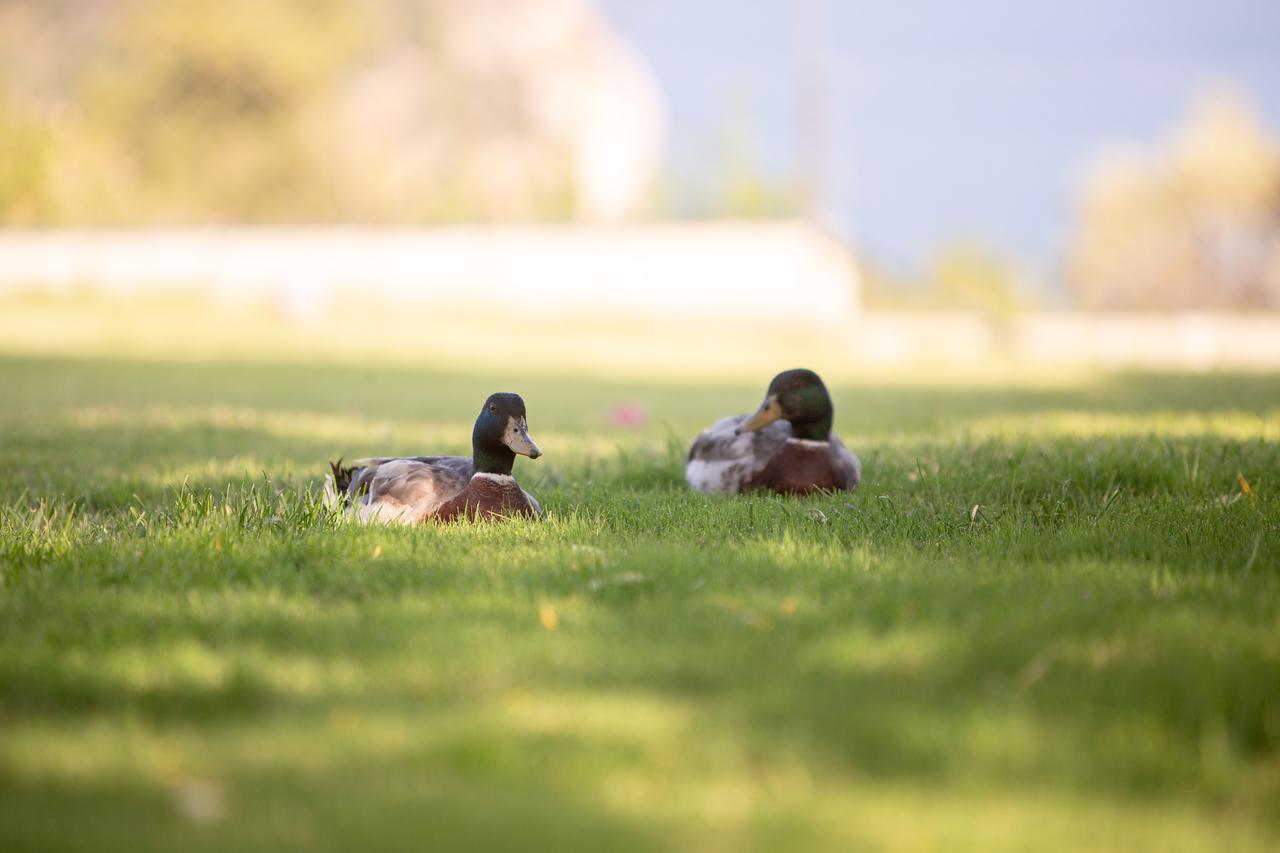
1050,617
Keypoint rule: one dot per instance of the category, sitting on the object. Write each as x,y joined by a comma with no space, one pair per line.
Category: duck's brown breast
799,467
486,496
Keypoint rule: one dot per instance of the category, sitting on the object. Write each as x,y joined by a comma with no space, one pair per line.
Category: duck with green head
787,446
411,489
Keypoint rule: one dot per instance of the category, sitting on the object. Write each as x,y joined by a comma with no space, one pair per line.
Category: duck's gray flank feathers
404,489
721,460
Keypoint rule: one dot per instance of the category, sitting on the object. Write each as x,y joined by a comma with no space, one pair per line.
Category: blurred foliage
24,167
160,111
963,276
746,191
966,274
744,188
738,184
1194,223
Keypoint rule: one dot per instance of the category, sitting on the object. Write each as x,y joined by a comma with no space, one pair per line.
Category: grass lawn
1049,619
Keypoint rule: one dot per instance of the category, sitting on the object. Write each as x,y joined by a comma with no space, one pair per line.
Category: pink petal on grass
628,415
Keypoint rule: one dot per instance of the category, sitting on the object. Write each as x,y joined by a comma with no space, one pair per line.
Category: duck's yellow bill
769,412
516,436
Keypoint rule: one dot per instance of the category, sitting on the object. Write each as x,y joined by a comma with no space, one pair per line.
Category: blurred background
634,185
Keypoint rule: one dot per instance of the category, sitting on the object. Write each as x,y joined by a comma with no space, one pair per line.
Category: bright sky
947,119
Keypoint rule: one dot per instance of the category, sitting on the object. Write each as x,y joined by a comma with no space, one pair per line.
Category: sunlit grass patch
1258,425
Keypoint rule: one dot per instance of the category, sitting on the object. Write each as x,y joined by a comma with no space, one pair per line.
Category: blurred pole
811,97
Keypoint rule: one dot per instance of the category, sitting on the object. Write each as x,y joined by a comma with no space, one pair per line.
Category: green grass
1049,619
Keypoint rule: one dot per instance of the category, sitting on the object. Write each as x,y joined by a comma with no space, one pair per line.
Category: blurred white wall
783,272
722,294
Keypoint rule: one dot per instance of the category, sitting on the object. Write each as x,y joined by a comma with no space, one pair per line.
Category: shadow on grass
562,402
404,802
917,674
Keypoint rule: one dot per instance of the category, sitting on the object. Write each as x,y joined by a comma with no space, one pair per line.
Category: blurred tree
25,165
967,276
739,186
963,276
203,106
134,111
747,191
1195,224
496,109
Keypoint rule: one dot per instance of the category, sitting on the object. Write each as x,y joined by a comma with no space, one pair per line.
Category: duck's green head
500,433
799,397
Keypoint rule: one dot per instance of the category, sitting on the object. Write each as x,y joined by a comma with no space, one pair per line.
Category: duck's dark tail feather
342,482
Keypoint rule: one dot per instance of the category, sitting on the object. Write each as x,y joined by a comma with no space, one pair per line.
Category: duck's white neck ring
497,478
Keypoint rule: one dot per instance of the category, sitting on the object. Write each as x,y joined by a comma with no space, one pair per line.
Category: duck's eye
493,408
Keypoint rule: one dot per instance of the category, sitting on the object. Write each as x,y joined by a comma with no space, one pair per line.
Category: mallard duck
410,489
786,447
